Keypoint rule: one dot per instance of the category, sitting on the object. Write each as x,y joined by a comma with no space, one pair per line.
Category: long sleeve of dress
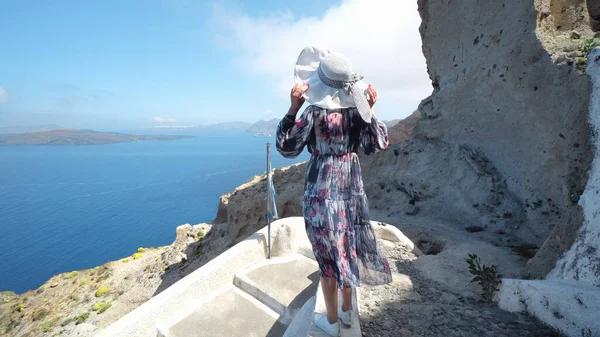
374,136
294,134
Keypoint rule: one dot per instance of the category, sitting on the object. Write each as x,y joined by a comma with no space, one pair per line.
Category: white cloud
164,120
4,98
381,38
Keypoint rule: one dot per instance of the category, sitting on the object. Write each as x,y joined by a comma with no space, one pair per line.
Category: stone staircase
242,293
275,298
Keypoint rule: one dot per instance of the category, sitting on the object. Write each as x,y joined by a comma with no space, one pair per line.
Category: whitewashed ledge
289,241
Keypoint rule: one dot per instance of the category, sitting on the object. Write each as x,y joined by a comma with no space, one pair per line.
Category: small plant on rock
102,291
137,255
200,234
487,277
71,274
47,326
19,307
588,46
84,282
81,318
101,307
40,314
68,321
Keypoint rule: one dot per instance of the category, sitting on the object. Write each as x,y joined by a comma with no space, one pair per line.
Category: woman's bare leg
346,299
329,288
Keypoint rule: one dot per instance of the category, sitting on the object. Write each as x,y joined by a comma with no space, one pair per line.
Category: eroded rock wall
497,90
582,261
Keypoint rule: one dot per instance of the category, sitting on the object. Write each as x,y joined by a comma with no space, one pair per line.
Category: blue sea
65,208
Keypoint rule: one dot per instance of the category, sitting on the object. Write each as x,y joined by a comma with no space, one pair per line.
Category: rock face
448,182
594,10
402,130
582,262
242,212
498,91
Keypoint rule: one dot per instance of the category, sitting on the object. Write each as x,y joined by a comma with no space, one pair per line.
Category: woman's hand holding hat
372,96
296,95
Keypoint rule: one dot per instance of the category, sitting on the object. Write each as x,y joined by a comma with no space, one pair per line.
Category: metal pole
268,199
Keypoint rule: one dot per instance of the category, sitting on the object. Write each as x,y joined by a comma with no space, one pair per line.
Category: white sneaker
331,329
347,317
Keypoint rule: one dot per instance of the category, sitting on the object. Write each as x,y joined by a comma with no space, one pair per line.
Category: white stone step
282,284
302,321
233,313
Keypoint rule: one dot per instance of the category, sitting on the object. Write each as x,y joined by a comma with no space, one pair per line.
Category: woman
339,121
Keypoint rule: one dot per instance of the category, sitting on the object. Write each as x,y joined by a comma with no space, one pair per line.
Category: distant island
227,126
28,128
264,128
260,128
76,137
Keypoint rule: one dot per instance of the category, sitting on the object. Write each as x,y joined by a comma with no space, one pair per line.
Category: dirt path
416,305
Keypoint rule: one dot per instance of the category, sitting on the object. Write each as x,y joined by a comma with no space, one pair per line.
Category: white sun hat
331,82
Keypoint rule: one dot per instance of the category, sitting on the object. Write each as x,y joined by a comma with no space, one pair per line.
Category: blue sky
111,64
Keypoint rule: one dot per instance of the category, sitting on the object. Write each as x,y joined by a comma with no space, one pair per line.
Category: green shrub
102,291
73,296
84,282
68,321
40,314
47,326
19,307
588,46
147,267
105,307
140,250
200,234
580,64
101,307
125,260
165,268
487,277
81,318
137,255
71,274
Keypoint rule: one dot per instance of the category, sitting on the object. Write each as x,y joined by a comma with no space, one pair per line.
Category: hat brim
318,93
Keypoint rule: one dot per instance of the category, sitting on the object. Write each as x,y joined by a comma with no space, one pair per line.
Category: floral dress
335,207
